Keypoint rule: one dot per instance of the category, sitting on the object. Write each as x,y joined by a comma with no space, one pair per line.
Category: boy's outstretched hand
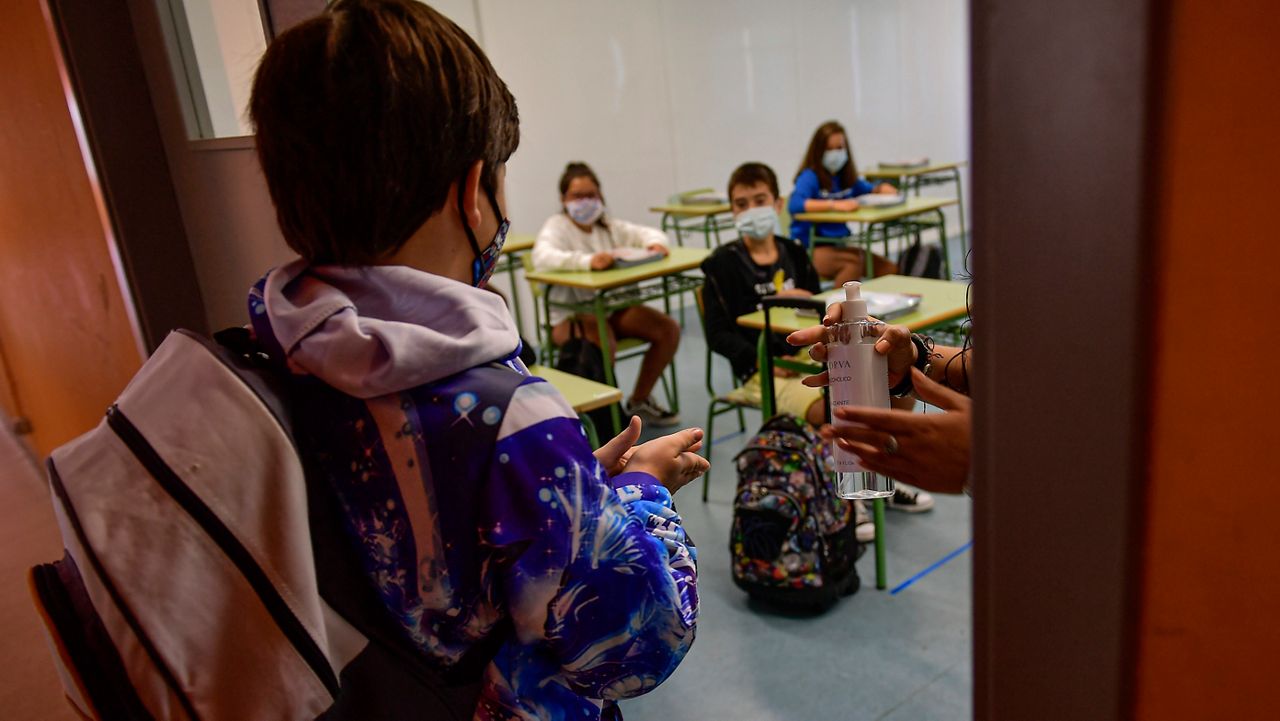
672,459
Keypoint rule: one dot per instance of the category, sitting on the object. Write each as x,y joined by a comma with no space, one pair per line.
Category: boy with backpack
477,507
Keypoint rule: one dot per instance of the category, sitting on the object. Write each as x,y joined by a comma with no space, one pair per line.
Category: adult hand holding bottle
930,450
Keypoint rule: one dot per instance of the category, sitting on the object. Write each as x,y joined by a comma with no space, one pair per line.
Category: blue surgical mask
585,210
834,160
757,223
486,260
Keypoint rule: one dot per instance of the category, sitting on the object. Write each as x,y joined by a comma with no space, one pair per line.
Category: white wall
667,95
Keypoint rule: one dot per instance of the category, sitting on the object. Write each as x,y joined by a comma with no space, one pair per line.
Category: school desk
516,245
869,219
913,178
615,289
583,394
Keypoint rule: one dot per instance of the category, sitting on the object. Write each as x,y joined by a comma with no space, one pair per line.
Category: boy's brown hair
365,115
749,174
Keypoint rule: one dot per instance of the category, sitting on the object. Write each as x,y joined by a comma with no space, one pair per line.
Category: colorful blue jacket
596,575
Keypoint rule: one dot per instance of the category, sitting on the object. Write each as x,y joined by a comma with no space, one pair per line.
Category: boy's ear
471,195
777,205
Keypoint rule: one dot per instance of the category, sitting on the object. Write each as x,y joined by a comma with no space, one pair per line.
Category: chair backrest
702,322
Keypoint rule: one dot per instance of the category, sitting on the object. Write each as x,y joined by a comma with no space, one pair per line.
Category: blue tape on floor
932,567
725,438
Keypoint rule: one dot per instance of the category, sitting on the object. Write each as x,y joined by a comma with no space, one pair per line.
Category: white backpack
190,588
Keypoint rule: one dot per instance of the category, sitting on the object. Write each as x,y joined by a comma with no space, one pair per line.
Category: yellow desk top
692,210
517,242
913,206
583,394
680,260
940,301
885,172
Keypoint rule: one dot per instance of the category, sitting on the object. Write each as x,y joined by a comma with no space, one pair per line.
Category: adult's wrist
921,361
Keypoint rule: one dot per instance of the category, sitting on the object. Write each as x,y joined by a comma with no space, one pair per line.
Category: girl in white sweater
581,238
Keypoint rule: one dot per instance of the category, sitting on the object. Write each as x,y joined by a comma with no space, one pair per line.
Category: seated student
828,181
581,237
739,274
496,541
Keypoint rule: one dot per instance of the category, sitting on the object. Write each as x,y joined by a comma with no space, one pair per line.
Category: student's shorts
791,395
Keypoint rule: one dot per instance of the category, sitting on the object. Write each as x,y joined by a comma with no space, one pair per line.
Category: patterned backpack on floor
792,539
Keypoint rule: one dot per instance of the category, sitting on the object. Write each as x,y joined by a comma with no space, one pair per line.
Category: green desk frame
908,179
614,290
904,218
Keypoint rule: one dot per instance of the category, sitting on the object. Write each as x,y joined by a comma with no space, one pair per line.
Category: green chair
721,403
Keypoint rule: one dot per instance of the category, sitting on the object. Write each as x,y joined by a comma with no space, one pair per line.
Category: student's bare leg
663,335
883,266
840,264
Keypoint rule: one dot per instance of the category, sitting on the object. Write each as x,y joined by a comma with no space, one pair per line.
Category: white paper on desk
918,162
889,305
880,200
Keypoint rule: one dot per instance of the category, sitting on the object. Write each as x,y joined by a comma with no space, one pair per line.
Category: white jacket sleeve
553,249
631,235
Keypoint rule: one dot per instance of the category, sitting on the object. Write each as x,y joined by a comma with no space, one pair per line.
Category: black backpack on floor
922,261
792,540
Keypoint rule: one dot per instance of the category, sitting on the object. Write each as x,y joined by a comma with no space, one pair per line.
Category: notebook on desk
631,257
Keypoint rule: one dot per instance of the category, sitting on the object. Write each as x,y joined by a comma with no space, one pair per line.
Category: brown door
67,324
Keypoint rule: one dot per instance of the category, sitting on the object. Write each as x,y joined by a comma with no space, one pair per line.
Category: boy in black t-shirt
740,273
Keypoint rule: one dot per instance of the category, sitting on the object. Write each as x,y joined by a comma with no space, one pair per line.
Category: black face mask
486,260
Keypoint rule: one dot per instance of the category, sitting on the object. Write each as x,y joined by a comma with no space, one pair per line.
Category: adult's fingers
856,433
889,421
877,461
818,352
892,337
817,381
808,336
935,393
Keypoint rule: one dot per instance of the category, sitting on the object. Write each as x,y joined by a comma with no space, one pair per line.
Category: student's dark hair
813,156
365,115
578,169
749,174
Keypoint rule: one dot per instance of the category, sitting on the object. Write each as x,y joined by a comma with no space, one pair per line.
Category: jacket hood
373,330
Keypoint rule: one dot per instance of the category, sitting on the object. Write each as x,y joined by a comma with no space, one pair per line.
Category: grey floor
875,656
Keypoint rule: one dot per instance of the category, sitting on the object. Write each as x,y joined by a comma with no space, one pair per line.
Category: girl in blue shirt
828,181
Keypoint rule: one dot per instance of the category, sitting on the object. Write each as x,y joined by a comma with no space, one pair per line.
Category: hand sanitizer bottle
858,376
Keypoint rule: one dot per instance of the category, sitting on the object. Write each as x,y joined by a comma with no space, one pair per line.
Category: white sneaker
863,529
653,414
910,500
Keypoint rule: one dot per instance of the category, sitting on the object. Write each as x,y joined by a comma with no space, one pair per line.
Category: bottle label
857,376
